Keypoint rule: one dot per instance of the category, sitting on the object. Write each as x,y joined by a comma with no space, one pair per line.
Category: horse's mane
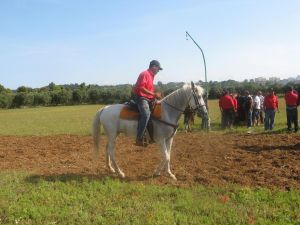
186,87
198,88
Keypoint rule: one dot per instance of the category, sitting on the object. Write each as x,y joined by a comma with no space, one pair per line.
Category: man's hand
157,95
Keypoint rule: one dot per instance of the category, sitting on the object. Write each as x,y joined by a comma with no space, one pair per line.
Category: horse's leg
165,147
111,155
108,161
162,163
167,165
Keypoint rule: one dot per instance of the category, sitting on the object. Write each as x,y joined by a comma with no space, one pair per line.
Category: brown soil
268,160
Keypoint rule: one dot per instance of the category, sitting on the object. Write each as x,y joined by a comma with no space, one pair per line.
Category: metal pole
187,34
206,83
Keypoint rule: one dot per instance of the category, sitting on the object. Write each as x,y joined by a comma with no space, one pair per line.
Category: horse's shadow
256,148
81,178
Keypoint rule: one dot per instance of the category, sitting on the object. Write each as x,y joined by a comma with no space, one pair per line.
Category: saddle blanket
129,114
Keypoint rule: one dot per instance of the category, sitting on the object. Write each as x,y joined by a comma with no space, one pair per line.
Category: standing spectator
270,106
261,111
234,97
226,105
291,101
235,102
256,109
240,107
205,123
188,118
248,106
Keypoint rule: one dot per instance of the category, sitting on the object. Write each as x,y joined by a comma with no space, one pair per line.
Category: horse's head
197,102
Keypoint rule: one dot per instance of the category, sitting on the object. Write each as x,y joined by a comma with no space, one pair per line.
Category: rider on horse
144,94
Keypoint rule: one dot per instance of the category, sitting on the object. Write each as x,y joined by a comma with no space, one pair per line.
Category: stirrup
141,142
151,141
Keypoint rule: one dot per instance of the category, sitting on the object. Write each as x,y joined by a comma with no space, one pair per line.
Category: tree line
74,94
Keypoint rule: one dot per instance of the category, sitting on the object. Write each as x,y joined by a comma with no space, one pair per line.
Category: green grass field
31,199
26,199
48,120
78,120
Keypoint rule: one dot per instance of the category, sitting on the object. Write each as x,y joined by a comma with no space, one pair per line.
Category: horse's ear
193,85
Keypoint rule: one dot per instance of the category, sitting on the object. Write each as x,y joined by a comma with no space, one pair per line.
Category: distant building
288,80
297,81
274,79
260,80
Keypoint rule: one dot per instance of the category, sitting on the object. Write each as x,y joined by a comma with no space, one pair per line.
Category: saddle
130,112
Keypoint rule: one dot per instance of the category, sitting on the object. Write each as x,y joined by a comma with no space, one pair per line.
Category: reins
172,106
175,126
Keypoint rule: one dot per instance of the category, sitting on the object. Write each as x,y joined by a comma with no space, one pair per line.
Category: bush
29,97
60,97
42,98
18,100
78,96
93,96
5,100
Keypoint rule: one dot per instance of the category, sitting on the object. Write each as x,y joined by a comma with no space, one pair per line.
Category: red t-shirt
226,102
271,102
145,80
291,98
235,102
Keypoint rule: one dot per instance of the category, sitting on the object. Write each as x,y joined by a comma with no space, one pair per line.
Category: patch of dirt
268,160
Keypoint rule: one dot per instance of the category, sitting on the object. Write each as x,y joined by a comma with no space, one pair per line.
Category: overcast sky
111,42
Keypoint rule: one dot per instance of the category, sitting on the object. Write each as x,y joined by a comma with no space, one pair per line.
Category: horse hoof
122,175
112,170
173,176
156,174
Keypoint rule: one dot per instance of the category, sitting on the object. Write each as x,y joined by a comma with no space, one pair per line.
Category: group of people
256,109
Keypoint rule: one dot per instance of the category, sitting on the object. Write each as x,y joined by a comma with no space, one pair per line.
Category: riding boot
141,141
150,131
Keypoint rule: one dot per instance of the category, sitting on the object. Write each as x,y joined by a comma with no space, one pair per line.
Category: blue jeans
144,109
249,118
292,117
269,119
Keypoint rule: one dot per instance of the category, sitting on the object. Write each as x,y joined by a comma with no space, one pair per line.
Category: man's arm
154,94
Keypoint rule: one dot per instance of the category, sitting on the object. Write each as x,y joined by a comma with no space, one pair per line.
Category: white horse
164,129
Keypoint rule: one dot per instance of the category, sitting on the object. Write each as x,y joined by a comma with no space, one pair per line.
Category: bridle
198,106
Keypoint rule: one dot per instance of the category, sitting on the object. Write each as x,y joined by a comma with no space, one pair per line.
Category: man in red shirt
144,93
270,106
291,100
226,104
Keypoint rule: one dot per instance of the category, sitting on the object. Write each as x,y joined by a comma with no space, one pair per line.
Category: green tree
29,98
51,86
5,100
93,96
78,96
42,98
19,100
23,89
60,97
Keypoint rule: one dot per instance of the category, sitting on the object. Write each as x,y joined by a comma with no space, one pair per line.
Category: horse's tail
96,131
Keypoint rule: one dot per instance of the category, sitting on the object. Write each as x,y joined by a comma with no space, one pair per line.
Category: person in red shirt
235,102
144,93
227,106
270,106
291,101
